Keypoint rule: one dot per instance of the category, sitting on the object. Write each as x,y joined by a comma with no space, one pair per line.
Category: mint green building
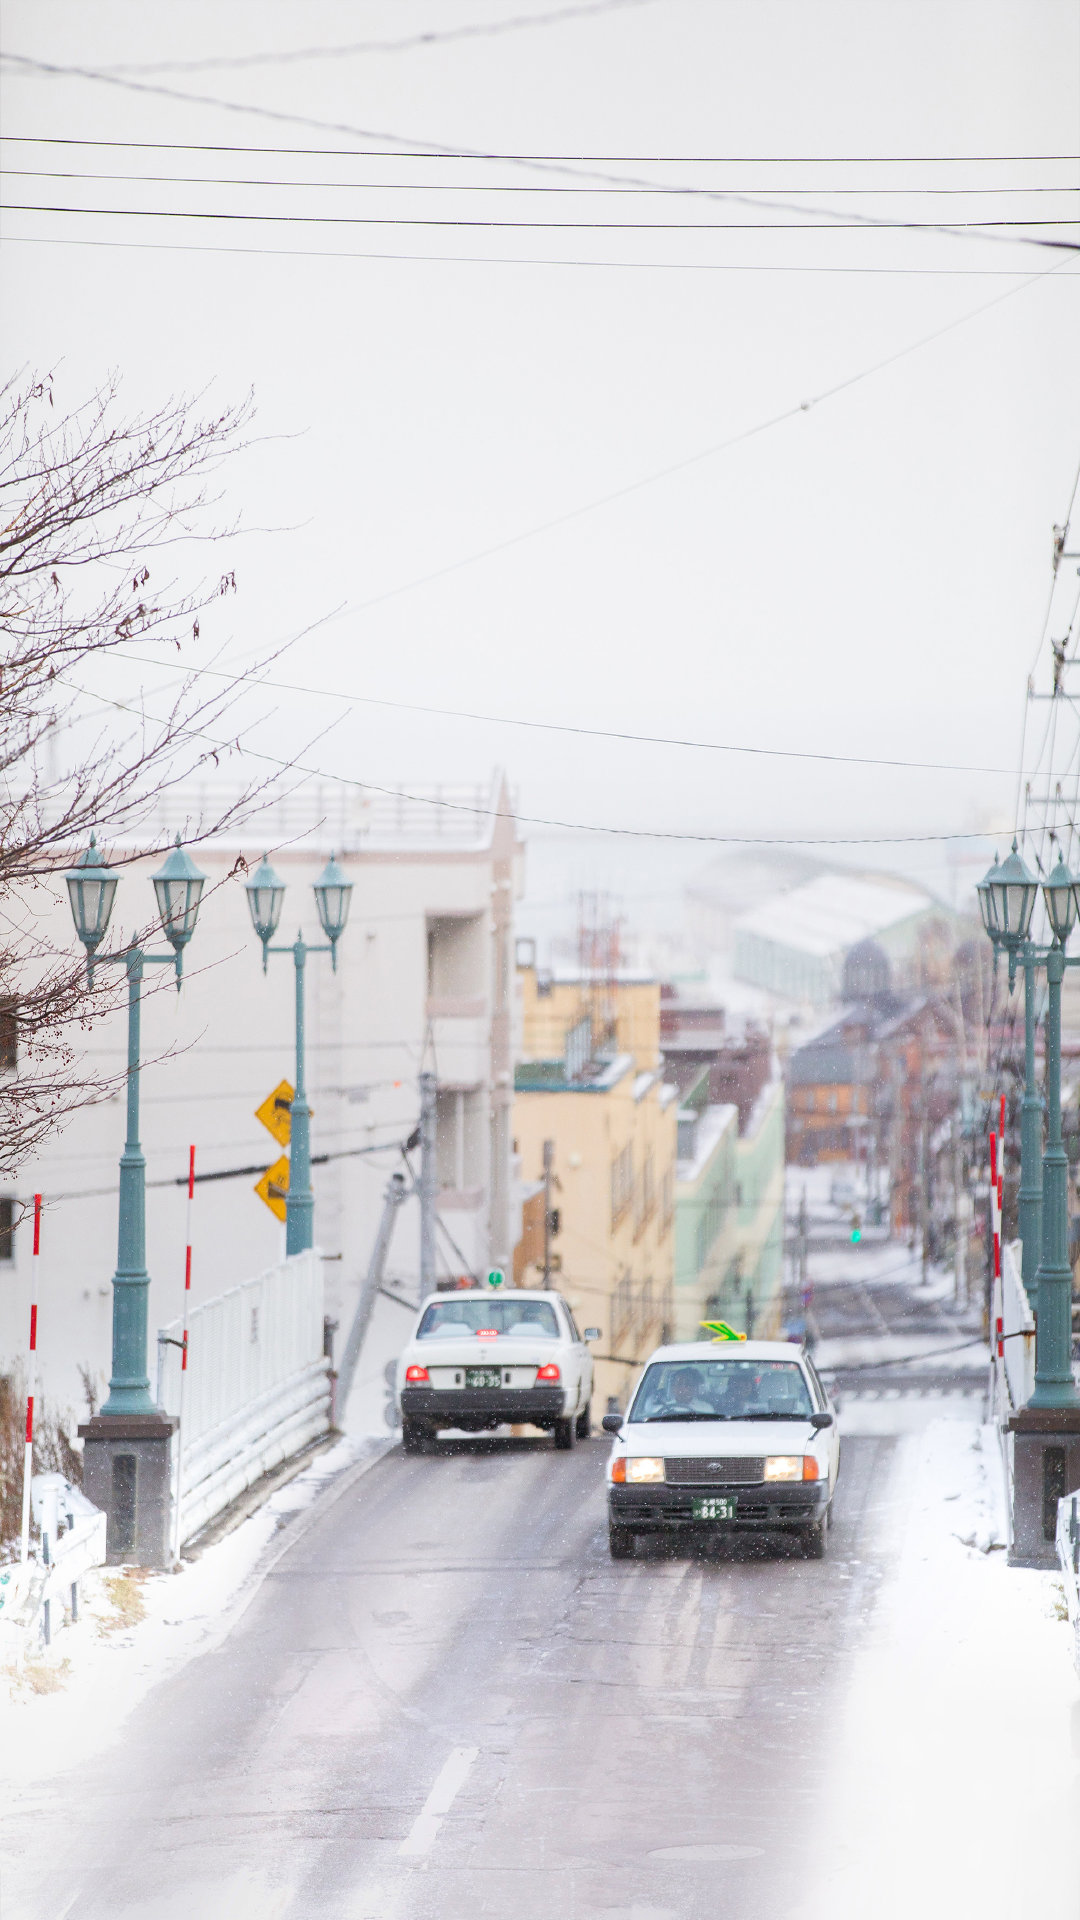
729,1213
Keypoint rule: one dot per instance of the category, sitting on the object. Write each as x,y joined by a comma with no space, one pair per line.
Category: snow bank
136,1628
956,1785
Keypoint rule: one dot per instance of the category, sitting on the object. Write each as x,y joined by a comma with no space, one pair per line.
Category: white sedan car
479,1359
724,1437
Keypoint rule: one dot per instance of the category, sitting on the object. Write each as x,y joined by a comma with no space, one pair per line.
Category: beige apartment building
591,1081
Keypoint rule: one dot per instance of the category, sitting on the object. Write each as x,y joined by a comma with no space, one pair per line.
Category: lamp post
1006,901
126,1460
265,898
92,891
1047,1431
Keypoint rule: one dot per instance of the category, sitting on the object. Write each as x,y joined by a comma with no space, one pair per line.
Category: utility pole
428,1185
549,1162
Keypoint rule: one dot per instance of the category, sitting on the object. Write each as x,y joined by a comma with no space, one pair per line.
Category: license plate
483,1377
714,1507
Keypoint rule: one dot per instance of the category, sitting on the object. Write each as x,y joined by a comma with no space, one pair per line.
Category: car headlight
644,1469
784,1466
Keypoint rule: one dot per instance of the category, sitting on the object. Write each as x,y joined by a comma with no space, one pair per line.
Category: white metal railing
330,813
40,1594
1068,1551
1018,1327
257,1388
1012,1369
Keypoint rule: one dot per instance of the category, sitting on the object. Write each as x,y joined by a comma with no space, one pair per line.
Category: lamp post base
127,1463
1046,1466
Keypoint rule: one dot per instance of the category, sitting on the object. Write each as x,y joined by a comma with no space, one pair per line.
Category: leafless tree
90,502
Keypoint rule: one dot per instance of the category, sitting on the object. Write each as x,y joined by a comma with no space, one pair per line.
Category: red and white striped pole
184,1351
31,1382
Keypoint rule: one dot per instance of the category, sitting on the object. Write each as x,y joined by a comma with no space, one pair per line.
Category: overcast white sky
867,577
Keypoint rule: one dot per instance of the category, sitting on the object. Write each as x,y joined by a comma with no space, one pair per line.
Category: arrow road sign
496,1276
274,1186
274,1112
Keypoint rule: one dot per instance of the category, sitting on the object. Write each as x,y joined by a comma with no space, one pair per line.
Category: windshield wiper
770,1416
648,1418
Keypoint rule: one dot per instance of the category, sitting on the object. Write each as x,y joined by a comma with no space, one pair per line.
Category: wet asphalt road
642,1740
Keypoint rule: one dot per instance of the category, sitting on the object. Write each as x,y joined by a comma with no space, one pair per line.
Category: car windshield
723,1390
458,1317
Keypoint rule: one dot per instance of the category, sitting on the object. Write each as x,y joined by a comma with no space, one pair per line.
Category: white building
423,982
793,944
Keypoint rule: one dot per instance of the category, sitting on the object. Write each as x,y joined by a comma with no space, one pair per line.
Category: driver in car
686,1394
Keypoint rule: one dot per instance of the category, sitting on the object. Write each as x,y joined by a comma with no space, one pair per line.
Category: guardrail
257,1388
39,1594
1068,1552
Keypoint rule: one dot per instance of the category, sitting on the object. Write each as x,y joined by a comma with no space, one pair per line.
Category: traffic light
856,1229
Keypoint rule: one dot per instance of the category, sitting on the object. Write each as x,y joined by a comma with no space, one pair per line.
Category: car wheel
583,1427
620,1543
815,1539
414,1437
565,1434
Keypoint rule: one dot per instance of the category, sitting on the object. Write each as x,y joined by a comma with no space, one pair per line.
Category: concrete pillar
127,1464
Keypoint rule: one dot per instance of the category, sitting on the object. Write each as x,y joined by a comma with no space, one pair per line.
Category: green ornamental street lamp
265,898
92,891
1006,899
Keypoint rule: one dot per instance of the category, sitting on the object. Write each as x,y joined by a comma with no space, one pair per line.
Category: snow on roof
829,914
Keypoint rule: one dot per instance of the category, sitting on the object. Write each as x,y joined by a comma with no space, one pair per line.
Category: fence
1018,1329
40,1593
257,1390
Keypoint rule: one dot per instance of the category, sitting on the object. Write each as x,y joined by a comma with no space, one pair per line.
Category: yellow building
591,1081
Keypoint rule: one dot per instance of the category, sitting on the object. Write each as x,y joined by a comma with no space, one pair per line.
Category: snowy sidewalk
956,1789
136,1628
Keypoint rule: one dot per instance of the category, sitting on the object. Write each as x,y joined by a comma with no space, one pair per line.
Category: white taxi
725,1436
479,1360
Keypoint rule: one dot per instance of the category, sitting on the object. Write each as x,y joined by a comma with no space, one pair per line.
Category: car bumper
475,1409
662,1508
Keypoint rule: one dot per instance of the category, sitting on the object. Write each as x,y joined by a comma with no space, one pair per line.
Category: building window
9,1037
7,1229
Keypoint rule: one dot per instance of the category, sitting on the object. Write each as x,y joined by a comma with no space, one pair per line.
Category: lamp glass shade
986,889
265,898
179,887
91,890
1059,893
1014,889
333,894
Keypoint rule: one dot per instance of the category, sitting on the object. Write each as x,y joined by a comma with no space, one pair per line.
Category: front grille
715,1473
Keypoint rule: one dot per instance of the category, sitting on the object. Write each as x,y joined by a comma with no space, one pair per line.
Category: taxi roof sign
274,1112
273,1187
721,1331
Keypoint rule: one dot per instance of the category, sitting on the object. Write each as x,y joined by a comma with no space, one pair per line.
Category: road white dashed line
438,1803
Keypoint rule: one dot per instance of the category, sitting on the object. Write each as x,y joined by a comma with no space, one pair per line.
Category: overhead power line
401,142
258,681
600,828
504,187
506,259
858,225
609,159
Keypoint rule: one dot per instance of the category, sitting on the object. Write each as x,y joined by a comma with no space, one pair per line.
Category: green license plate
483,1377
714,1506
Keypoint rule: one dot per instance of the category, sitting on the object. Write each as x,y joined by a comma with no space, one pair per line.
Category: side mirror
612,1422
591,1333
821,1420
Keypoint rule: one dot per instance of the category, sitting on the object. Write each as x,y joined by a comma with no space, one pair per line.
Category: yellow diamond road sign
274,1186
274,1112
